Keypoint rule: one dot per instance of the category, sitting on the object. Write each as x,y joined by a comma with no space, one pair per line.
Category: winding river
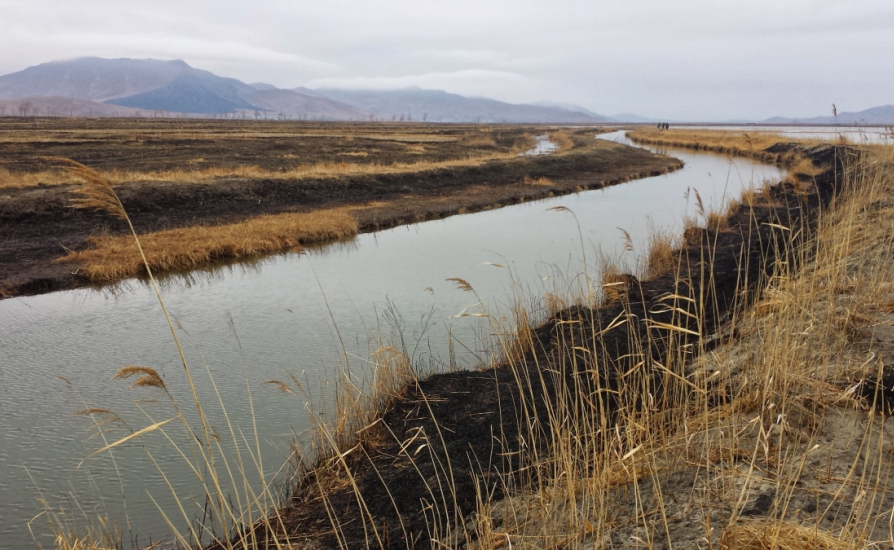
304,314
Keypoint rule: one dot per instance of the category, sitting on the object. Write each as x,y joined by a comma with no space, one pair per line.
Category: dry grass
804,167
794,459
231,510
563,139
617,285
100,134
211,174
759,535
539,182
111,258
746,144
793,430
662,256
355,407
717,221
10,179
313,148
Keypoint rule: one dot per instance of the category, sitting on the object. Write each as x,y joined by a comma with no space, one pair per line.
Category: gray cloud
692,59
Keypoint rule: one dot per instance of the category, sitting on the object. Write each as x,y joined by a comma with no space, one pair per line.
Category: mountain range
94,86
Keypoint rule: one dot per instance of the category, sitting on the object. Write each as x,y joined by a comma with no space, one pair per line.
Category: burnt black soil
472,418
153,145
37,224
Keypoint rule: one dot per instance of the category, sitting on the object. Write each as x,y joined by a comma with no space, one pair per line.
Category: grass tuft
111,258
761,535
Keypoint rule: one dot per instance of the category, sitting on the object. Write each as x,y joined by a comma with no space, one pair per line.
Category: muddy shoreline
37,225
468,419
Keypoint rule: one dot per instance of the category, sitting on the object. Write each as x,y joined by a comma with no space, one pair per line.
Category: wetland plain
422,418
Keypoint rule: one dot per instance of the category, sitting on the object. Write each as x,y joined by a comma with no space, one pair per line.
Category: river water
542,146
247,323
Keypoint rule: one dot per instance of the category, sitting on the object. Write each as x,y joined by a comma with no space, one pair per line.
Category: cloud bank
687,59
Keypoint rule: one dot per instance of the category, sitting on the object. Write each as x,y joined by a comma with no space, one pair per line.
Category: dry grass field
112,258
202,191
197,151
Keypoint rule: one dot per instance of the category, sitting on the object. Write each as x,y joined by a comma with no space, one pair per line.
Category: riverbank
38,227
596,421
765,147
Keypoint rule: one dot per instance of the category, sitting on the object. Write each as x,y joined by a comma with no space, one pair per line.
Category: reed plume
462,284
146,377
95,190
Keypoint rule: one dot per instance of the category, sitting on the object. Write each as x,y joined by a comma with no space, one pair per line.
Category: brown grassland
112,258
196,151
209,175
421,151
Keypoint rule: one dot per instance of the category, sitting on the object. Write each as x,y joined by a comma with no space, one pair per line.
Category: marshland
602,346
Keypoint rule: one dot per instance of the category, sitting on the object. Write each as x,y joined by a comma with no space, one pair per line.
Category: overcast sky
678,59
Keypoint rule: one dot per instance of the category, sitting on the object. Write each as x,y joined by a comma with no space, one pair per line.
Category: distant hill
91,78
263,86
66,106
193,91
289,102
440,106
876,115
151,85
116,87
573,108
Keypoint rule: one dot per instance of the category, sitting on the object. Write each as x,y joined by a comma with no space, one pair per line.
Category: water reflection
542,146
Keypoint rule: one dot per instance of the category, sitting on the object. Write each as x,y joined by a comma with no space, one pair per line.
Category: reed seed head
146,377
95,190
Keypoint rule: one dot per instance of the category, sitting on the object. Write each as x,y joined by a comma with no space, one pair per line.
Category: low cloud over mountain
439,106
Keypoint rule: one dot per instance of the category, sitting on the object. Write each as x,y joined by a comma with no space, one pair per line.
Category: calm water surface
542,146
58,351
